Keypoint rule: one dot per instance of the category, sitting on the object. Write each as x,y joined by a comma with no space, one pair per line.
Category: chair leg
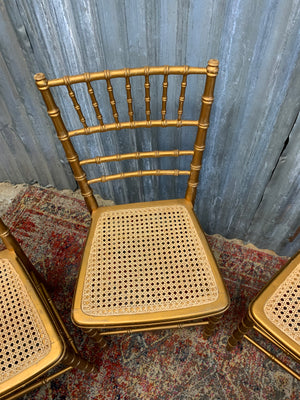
96,336
238,334
208,331
75,361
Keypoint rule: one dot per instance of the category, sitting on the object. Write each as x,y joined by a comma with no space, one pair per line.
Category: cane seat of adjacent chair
33,338
275,314
277,308
145,265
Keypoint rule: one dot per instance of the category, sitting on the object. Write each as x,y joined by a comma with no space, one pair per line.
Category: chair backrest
201,124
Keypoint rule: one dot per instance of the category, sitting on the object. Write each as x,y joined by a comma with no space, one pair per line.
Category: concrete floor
7,193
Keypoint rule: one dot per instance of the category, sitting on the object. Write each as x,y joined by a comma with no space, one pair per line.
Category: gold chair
146,266
33,336
275,314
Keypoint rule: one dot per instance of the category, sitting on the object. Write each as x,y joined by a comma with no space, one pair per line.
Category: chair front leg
212,322
96,335
239,333
74,360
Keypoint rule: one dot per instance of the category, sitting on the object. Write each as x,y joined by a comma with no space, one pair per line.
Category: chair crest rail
128,72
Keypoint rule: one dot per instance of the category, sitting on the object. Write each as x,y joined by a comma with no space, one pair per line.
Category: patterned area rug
176,364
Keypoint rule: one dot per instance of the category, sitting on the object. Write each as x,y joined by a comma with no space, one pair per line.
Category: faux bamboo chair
33,336
146,266
275,314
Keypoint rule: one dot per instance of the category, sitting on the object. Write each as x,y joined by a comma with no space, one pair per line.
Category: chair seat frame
257,320
65,354
196,315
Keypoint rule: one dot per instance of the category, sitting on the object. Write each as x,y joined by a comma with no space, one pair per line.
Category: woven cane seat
29,343
146,259
33,338
24,339
276,309
275,316
283,307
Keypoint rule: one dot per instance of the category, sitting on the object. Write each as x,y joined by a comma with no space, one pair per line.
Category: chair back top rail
127,73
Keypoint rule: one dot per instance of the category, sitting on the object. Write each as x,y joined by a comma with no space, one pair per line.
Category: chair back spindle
111,96
164,96
182,95
129,96
75,102
147,94
93,99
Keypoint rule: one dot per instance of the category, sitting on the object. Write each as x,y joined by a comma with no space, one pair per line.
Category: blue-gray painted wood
249,186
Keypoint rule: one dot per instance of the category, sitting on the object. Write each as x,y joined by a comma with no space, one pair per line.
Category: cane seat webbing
146,260
24,339
283,307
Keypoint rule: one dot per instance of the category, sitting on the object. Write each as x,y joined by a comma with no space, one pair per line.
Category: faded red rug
176,364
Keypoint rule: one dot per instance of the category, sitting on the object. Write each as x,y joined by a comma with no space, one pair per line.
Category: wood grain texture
249,183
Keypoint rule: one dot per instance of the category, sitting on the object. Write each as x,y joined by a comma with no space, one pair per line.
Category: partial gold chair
146,266
33,336
275,314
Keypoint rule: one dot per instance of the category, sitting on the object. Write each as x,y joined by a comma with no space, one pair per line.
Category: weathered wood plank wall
250,181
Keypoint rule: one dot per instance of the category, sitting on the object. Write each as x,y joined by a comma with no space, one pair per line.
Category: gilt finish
33,336
145,265
275,314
